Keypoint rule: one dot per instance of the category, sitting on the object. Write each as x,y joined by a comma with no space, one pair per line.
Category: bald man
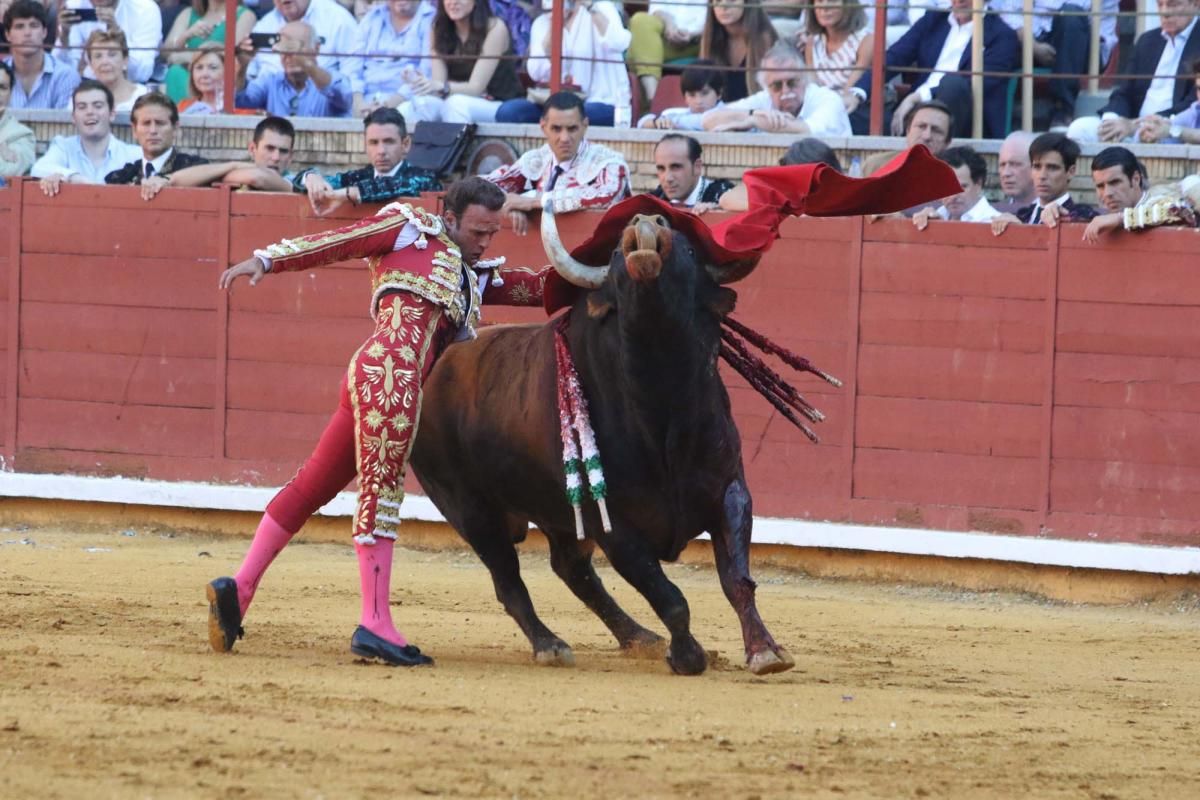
303,88
1016,174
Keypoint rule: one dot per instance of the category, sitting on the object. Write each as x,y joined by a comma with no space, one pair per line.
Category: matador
428,281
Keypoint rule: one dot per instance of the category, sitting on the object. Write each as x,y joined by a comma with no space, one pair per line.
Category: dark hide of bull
489,455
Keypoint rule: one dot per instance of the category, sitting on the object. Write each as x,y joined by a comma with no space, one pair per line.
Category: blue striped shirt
385,52
273,92
52,89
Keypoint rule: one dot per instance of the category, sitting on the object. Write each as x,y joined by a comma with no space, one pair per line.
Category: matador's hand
251,267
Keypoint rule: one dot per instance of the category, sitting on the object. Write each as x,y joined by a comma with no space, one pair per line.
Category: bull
645,340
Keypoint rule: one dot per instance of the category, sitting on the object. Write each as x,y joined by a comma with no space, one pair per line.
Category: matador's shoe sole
224,614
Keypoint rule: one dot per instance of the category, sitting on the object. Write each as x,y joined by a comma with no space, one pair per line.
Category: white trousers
459,108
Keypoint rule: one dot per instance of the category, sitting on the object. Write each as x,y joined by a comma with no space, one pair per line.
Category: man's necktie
554,177
1037,215
149,170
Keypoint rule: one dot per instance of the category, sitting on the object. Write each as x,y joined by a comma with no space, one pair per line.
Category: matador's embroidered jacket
408,250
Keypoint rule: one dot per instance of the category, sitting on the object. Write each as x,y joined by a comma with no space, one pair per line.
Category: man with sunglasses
790,103
303,88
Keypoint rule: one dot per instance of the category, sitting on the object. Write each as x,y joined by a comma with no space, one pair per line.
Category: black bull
645,344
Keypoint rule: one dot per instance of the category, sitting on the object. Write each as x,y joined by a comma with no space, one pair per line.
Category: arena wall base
1073,571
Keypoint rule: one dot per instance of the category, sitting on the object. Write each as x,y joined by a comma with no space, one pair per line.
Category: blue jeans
522,111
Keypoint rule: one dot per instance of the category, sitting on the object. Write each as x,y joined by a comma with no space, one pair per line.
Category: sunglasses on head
779,86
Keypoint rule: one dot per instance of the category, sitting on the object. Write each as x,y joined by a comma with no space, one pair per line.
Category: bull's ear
599,304
723,301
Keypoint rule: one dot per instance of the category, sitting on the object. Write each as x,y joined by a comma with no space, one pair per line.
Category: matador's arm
518,286
368,237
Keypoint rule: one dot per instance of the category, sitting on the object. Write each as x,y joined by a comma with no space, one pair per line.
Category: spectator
471,77
270,153
790,103
389,42
334,24
139,20
1016,179
1166,52
1168,204
839,46
679,165
107,56
42,81
1183,127
155,123
206,81
303,88
1121,183
805,151
579,173
387,177
204,22
702,87
16,141
594,41
1061,32
515,16
666,31
1052,156
737,34
93,151
969,205
937,44
926,123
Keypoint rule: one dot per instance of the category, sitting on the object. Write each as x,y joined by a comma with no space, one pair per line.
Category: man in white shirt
790,104
1167,53
93,152
669,30
969,205
334,24
139,20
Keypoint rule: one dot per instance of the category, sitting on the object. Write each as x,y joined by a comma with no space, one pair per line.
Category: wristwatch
1175,131
444,92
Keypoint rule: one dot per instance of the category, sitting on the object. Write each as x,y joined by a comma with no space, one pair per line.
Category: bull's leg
639,565
497,552
731,545
572,561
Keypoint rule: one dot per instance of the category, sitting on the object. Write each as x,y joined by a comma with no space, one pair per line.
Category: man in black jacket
1053,157
1167,52
387,177
155,123
679,165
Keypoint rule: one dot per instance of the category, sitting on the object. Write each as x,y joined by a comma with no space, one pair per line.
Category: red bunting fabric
775,193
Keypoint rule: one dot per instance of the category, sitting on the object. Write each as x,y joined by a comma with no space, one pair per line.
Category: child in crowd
702,87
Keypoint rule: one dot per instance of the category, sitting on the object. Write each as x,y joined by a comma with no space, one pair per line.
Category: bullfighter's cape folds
775,193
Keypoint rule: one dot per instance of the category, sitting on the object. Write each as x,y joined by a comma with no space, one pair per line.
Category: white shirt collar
694,198
1182,36
158,162
1037,201
390,173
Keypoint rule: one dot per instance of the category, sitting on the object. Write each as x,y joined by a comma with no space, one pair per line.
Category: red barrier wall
1024,384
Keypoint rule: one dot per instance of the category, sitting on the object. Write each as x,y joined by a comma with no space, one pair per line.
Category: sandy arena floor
108,688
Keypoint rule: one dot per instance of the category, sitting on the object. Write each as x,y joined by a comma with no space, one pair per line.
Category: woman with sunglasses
838,46
472,73
736,34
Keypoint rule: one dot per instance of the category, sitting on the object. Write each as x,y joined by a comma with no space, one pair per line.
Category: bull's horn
572,271
733,271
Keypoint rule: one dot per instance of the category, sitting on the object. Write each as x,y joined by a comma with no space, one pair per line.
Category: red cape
775,193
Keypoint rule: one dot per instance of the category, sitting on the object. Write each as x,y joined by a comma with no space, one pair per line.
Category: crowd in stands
798,68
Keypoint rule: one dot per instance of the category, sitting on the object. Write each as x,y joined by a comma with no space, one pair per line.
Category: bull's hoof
646,645
558,654
767,662
687,657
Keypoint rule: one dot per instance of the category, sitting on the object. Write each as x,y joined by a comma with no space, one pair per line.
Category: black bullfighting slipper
224,614
368,645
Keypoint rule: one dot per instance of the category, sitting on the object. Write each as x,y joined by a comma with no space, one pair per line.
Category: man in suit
1166,52
679,165
155,122
940,41
1053,157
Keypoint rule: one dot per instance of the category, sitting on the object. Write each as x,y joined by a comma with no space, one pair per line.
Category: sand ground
108,687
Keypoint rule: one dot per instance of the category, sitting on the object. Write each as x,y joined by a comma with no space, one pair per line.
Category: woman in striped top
838,45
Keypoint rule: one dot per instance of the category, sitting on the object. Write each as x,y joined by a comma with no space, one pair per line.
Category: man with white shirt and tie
1167,53
969,205
93,151
1053,157
155,122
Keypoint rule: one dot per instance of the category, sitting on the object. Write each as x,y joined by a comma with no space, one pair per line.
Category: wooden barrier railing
1023,384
